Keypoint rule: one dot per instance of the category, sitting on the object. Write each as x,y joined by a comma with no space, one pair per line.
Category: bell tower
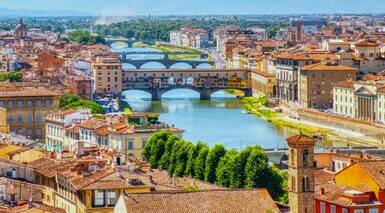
301,173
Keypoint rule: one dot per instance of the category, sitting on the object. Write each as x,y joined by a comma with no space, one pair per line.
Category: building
359,188
301,173
363,100
335,45
93,186
189,37
56,124
12,191
287,66
263,84
21,29
107,72
81,85
257,200
316,83
131,139
25,108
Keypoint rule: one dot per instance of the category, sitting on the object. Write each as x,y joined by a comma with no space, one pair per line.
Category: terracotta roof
28,91
45,166
328,67
366,44
120,180
347,84
257,200
35,207
375,169
102,131
300,139
302,56
92,124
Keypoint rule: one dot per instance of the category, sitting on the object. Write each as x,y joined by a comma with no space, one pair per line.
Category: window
304,157
98,198
344,210
111,197
20,103
10,119
1,103
10,104
359,211
29,118
130,145
29,103
322,207
48,103
332,209
38,103
19,118
373,210
29,132
39,118
293,183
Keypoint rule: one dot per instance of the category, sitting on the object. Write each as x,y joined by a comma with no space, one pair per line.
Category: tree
11,76
85,104
182,159
200,162
165,159
155,146
67,99
192,156
260,175
212,161
237,175
226,168
176,152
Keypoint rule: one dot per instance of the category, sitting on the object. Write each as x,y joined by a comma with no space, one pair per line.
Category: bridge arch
204,65
185,65
132,94
183,93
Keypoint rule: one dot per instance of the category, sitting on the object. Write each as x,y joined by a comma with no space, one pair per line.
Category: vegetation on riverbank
258,107
248,168
170,49
83,37
69,101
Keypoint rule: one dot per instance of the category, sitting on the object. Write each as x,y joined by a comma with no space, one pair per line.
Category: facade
107,73
188,37
56,124
301,174
360,99
287,66
263,84
316,83
25,108
82,86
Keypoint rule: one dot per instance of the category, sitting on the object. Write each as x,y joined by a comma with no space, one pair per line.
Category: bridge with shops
204,81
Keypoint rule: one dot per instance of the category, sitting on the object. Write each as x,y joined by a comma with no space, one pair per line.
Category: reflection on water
217,121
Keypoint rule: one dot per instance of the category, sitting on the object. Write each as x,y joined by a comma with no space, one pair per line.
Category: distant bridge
167,63
204,81
110,41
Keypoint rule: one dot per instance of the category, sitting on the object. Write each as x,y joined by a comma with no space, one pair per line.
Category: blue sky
199,7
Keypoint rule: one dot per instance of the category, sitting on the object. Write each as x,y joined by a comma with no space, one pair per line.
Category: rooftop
257,200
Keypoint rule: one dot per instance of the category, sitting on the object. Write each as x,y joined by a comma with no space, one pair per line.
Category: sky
200,7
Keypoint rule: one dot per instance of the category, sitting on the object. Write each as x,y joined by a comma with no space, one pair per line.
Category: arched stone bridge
167,63
203,81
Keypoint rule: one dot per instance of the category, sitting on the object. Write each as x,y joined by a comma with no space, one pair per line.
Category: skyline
199,7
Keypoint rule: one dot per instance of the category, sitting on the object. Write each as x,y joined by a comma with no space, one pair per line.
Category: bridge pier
156,95
205,94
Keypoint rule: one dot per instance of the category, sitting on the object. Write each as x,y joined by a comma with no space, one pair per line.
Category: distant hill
41,13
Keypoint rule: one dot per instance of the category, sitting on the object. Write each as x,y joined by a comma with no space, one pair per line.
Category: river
218,121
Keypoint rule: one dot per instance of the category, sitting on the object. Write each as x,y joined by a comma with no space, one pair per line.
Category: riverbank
329,134
170,49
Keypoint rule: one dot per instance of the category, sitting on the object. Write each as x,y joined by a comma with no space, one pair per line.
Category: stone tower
21,29
301,174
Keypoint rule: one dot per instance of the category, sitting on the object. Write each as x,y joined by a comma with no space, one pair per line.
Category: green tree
165,159
155,146
237,175
200,163
212,161
192,156
85,104
260,175
67,99
225,168
182,159
177,151
11,76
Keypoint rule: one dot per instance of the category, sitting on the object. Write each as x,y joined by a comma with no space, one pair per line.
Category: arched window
304,184
292,156
304,158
